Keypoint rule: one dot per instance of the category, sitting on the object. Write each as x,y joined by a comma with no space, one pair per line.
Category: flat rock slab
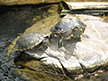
89,52
87,5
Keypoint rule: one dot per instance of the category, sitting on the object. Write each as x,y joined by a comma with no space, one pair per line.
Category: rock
16,2
86,5
89,52
86,54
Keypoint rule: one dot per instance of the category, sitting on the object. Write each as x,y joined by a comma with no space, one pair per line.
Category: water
9,29
6,73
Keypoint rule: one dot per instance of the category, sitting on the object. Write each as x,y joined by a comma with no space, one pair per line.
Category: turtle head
77,32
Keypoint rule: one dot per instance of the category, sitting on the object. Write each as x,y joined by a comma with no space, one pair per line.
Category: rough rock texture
89,52
16,2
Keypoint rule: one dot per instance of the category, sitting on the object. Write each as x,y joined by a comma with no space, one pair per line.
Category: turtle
31,40
27,43
68,28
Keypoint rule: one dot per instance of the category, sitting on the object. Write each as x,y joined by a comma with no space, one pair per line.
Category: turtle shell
67,24
29,41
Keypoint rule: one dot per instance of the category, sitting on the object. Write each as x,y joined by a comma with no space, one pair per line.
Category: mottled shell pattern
29,41
67,24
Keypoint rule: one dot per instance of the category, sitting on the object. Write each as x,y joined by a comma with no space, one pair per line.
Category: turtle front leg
61,45
69,37
61,42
